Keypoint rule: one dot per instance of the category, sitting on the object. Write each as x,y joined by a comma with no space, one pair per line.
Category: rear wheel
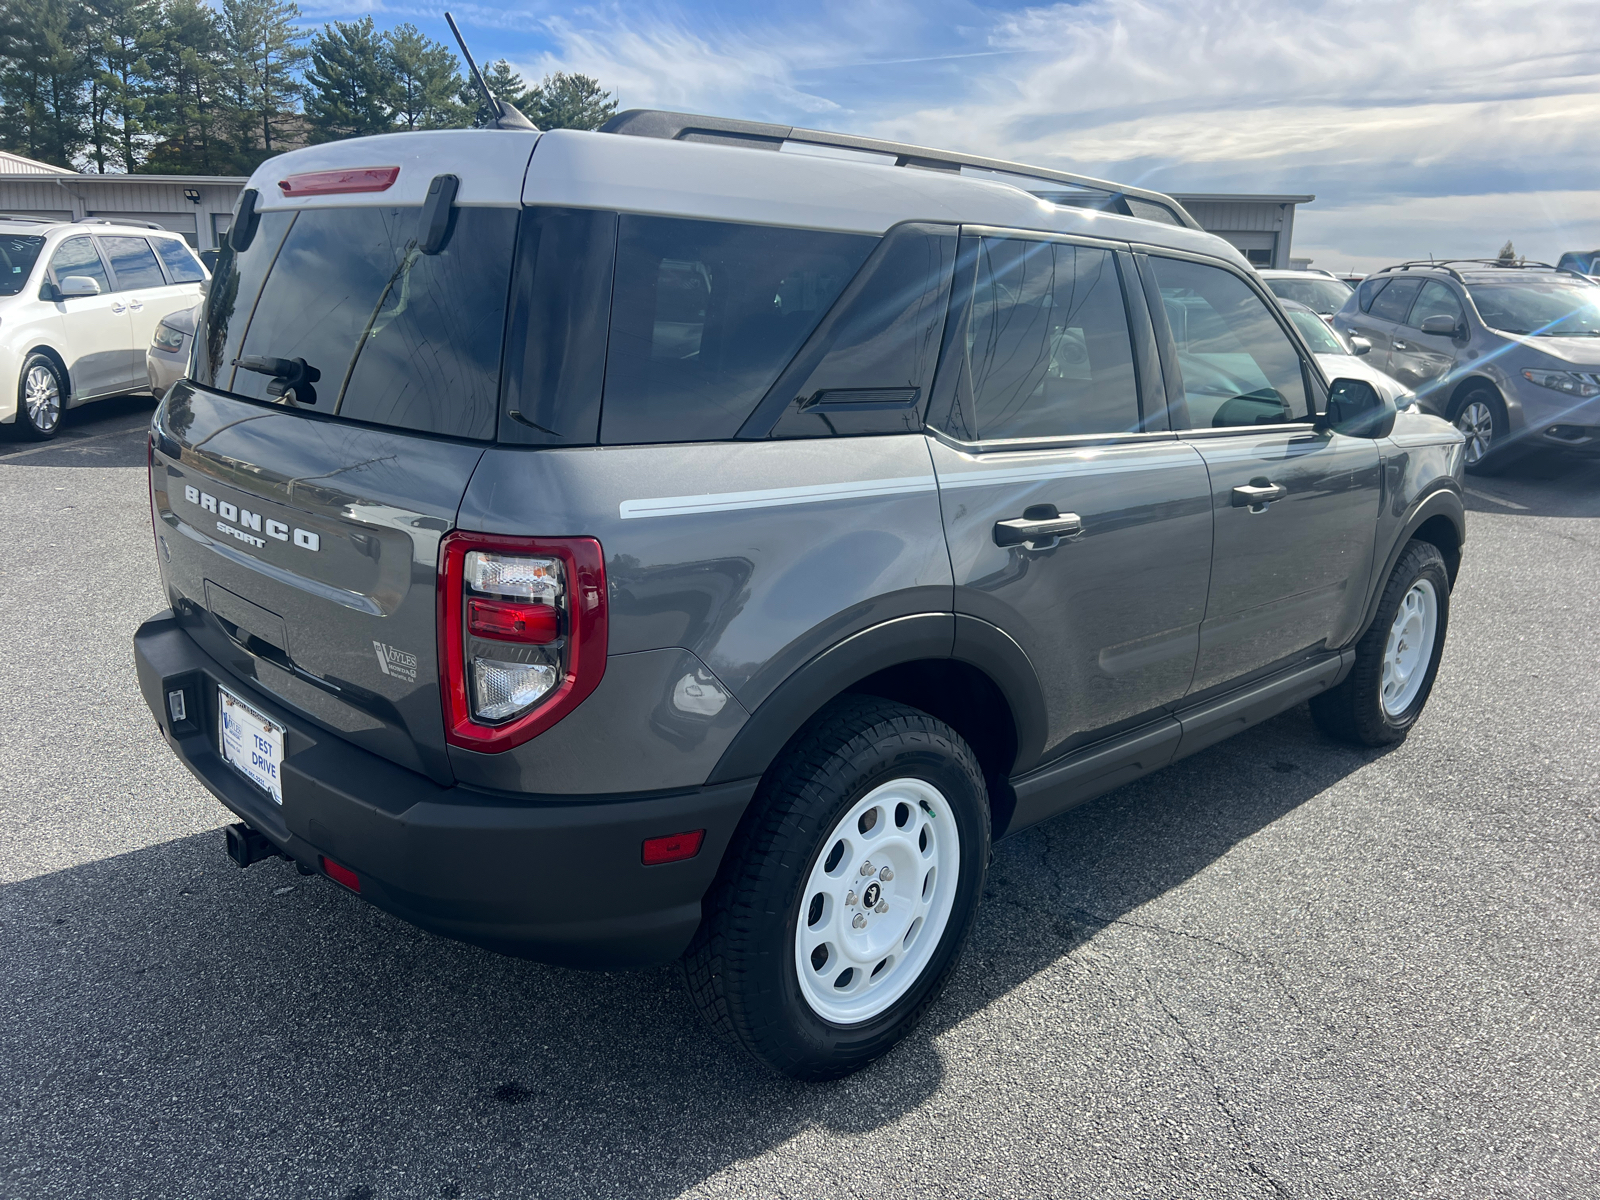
40,398
847,897
1397,658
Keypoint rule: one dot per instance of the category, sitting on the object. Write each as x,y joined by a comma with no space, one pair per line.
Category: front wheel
1481,418
1397,658
40,398
847,897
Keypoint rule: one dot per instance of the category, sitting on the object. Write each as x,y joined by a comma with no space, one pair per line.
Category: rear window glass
1368,292
1395,300
133,263
705,314
1322,296
398,337
17,256
182,266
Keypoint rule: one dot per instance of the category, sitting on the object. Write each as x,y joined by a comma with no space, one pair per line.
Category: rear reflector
340,874
511,621
328,183
674,847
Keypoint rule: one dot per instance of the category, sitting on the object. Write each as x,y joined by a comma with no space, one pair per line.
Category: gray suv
1509,352
700,540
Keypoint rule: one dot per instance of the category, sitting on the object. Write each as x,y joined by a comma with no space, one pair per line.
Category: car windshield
18,253
1324,296
1318,336
1544,309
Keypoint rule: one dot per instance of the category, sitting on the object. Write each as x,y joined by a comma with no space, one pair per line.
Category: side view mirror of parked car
1360,345
1356,409
1440,325
78,285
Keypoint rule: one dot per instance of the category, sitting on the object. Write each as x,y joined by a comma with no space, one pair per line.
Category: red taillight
674,847
479,620
340,874
511,621
329,183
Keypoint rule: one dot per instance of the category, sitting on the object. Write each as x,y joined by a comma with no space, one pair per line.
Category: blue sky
1422,128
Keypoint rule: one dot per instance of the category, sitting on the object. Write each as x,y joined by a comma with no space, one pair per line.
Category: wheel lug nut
866,868
886,874
883,906
861,921
850,898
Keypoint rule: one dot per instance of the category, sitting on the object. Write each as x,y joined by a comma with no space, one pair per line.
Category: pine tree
563,101
263,50
349,84
426,81
506,85
44,69
186,65
122,34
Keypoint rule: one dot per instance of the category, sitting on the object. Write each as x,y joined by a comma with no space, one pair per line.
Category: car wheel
1397,658
849,892
1481,418
40,398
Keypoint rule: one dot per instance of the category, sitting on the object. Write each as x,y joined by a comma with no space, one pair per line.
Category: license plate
251,744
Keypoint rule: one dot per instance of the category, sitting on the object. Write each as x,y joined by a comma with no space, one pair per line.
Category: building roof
15,164
10,172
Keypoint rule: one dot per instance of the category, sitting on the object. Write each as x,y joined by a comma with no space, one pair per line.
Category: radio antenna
506,115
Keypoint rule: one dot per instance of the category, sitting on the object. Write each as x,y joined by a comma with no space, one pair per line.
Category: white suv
78,305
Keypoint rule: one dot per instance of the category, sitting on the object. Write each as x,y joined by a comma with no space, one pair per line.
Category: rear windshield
398,337
1314,329
1542,309
18,253
1323,296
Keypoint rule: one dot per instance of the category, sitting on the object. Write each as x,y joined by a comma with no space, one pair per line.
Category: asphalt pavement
1281,968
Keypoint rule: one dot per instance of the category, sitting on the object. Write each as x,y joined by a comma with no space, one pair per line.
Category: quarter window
1239,367
133,263
1048,348
1435,300
77,256
181,264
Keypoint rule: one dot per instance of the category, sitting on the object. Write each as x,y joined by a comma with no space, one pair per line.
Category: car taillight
522,634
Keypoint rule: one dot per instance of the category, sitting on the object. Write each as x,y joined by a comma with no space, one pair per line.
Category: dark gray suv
1509,352
700,540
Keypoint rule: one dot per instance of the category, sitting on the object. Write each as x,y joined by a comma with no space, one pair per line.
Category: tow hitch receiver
246,846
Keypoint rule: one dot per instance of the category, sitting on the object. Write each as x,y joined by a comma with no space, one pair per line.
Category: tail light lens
522,634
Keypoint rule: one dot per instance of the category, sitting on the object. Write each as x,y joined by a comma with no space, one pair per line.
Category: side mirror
1440,325
78,285
1359,345
1355,409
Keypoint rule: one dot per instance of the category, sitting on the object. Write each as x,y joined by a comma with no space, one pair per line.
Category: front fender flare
1443,500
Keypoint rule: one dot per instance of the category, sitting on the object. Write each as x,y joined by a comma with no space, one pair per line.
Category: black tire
1354,711
1500,452
741,966
46,423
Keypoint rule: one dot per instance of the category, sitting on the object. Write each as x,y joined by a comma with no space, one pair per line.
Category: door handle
1257,495
1039,528
119,308
1399,345
136,305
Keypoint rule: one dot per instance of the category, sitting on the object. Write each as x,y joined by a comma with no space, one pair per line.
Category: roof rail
1449,266
118,221
1074,191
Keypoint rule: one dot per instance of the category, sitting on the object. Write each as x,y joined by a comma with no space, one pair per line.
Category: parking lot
1283,967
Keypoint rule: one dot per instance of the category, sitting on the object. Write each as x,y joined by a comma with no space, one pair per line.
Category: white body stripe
1058,469
816,493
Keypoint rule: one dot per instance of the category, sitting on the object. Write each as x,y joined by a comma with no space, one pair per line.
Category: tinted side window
1368,291
1048,348
77,256
133,263
1239,366
705,314
234,288
1436,300
1393,302
181,264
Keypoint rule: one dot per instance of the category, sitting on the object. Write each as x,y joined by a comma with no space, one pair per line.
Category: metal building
199,207
1262,227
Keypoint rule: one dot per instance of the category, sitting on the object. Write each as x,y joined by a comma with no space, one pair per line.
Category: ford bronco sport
700,540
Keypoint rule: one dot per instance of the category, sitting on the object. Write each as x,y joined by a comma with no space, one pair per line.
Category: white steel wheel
1409,649
877,901
1476,422
41,394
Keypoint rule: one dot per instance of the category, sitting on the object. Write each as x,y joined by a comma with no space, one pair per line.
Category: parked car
1509,352
1320,291
1340,358
167,356
79,302
622,546
1581,262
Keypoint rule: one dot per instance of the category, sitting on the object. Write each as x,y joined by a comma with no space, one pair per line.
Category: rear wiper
291,377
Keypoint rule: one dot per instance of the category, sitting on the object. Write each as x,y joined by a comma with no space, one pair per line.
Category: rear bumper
544,877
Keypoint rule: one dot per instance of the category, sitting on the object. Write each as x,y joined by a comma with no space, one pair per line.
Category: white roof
576,169
15,164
